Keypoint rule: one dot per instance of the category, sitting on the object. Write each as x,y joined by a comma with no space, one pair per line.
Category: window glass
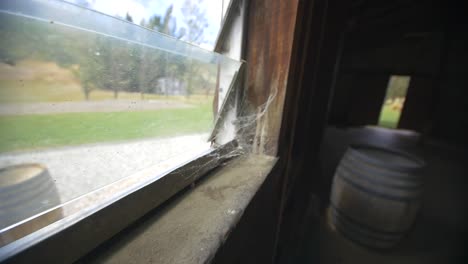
194,21
87,99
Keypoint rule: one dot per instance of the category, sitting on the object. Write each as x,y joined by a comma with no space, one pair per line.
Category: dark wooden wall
270,34
418,103
271,31
367,92
450,112
314,54
293,48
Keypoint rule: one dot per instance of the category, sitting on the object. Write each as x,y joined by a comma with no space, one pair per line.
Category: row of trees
102,62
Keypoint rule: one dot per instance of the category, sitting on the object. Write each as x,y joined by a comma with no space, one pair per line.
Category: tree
102,62
196,21
108,65
151,67
120,70
128,17
155,64
166,24
92,67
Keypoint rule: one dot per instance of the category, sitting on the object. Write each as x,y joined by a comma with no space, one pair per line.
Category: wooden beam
270,34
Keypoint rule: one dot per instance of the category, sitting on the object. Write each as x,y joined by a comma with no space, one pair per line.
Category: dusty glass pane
87,99
194,21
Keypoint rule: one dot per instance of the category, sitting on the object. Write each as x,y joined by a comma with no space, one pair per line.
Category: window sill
192,227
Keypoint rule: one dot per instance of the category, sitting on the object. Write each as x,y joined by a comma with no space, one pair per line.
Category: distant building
171,86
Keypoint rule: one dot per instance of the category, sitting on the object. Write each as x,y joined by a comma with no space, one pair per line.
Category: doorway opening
394,101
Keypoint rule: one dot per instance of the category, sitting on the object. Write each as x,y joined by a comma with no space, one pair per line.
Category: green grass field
28,132
388,117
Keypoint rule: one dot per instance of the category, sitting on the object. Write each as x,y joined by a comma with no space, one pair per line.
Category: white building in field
171,86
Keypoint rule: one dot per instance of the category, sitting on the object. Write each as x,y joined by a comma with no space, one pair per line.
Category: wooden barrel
399,139
25,190
376,195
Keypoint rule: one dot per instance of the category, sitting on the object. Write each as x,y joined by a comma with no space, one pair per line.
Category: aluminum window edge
235,10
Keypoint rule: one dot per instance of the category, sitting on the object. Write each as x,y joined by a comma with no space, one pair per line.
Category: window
91,105
394,101
194,21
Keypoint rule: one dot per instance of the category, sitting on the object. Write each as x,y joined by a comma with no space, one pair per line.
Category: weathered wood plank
270,34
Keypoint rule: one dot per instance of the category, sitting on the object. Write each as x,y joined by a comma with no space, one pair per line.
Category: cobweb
238,126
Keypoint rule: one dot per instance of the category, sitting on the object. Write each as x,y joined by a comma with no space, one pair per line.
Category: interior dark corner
368,126
341,66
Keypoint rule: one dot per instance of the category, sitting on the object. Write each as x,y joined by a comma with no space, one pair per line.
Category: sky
144,9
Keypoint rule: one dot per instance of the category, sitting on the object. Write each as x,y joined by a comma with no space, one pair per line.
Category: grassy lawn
389,117
27,132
